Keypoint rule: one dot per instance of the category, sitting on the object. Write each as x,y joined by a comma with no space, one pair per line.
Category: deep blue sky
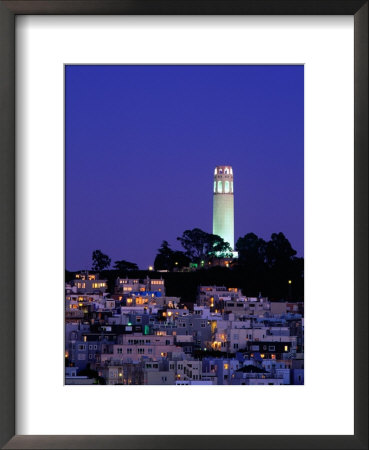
142,143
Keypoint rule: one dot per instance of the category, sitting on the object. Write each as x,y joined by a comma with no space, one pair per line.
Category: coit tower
223,204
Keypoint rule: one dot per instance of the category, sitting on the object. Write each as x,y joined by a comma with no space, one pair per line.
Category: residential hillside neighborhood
139,335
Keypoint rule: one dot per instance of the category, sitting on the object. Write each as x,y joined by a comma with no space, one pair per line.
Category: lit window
215,186
232,187
219,186
286,348
226,187
231,171
226,366
215,171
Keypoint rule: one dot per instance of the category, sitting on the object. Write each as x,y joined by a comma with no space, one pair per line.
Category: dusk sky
142,143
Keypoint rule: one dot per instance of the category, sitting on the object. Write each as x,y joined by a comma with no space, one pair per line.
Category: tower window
232,187
220,171
226,187
215,171
215,186
231,171
219,187
225,171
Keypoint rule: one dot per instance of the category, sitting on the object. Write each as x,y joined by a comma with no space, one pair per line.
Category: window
235,346
95,347
90,356
119,350
272,348
232,187
90,347
226,187
167,342
149,351
81,347
220,186
129,351
215,186
140,351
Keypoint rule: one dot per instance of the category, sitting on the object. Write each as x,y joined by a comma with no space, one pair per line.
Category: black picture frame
8,11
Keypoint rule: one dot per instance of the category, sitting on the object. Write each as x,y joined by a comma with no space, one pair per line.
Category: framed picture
151,126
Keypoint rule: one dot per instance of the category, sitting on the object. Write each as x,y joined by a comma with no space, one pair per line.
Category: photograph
184,224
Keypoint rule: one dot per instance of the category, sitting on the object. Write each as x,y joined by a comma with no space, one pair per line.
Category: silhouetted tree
167,259
100,261
251,249
124,266
279,250
200,245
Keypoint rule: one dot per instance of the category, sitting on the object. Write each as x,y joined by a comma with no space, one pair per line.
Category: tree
279,251
125,266
100,261
167,259
251,250
200,245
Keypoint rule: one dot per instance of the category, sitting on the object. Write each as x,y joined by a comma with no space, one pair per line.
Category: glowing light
286,348
262,355
151,268
289,281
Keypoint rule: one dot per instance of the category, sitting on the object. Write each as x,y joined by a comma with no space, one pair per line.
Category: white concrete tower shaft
223,204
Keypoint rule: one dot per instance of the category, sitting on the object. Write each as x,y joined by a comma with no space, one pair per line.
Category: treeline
270,268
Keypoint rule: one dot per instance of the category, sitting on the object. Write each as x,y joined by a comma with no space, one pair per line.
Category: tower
223,204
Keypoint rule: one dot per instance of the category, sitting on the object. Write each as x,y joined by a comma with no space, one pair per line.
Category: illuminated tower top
223,180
